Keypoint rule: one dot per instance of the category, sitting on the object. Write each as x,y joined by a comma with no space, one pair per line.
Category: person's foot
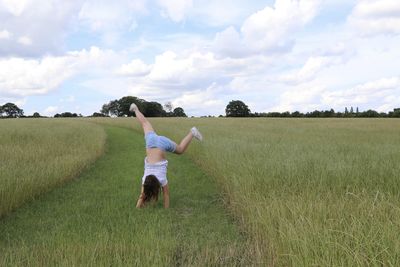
133,107
196,134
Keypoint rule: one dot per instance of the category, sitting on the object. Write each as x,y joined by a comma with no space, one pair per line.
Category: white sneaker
196,134
133,107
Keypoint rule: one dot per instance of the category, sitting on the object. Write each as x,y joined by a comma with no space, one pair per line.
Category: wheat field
307,191
301,192
37,155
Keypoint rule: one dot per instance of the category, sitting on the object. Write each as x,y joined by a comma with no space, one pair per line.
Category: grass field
93,220
301,192
37,155
306,191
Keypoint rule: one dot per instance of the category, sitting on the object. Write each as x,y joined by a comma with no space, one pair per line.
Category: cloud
4,34
24,40
373,17
106,16
44,23
15,7
207,100
135,68
24,77
175,9
303,98
50,110
376,94
310,70
268,30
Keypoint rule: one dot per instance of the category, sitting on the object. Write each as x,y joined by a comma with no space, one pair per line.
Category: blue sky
275,55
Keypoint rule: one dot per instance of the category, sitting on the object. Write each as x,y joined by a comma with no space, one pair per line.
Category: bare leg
146,125
184,144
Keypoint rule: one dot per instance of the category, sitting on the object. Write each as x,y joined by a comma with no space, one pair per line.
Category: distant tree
296,114
66,115
153,109
36,115
396,113
179,112
97,114
125,102
10,110
111,109
369,114
120,107
168,106
237,108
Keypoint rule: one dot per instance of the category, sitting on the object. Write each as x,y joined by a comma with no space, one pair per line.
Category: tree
237,108
11,110
120,107
179,112
395,113
168,106
36,115
125,103
111,109
97,114
153,109
66,115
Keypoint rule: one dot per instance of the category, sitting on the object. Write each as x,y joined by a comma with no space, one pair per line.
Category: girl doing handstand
155,164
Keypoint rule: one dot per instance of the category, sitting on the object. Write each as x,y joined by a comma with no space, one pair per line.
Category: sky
274,55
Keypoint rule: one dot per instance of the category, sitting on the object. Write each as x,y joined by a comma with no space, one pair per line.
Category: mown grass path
93,220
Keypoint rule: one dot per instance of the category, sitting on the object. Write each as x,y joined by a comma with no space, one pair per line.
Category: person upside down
155,179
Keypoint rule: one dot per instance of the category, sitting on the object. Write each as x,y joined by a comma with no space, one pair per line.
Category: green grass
37,155
306,192
301,192
93,220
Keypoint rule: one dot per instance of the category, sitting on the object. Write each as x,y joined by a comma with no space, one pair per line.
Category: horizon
274,55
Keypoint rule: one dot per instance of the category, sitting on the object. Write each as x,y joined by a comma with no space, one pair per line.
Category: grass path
93,221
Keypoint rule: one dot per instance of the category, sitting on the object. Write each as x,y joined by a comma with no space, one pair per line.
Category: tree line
237,108
120,108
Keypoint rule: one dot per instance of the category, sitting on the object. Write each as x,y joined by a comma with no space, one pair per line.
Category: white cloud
372,17
268,30
375,94
24,40
206,100
135,68
311,68
45,22
50,110
176,9
23,77
108,16
14,7
303,98
4,34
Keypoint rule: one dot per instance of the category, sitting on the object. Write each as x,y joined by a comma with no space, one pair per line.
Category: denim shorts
156,141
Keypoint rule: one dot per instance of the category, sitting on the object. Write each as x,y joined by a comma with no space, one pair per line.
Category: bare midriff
155,155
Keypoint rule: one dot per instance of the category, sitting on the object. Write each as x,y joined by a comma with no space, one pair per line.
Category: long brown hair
151,188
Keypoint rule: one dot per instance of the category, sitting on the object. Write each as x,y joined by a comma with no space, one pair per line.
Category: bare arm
140,202
166,196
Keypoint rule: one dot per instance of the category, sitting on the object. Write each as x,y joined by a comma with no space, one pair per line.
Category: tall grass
306,191
93,220
37,155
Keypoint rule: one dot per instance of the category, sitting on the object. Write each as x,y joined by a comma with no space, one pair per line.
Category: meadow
37,155
283,192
